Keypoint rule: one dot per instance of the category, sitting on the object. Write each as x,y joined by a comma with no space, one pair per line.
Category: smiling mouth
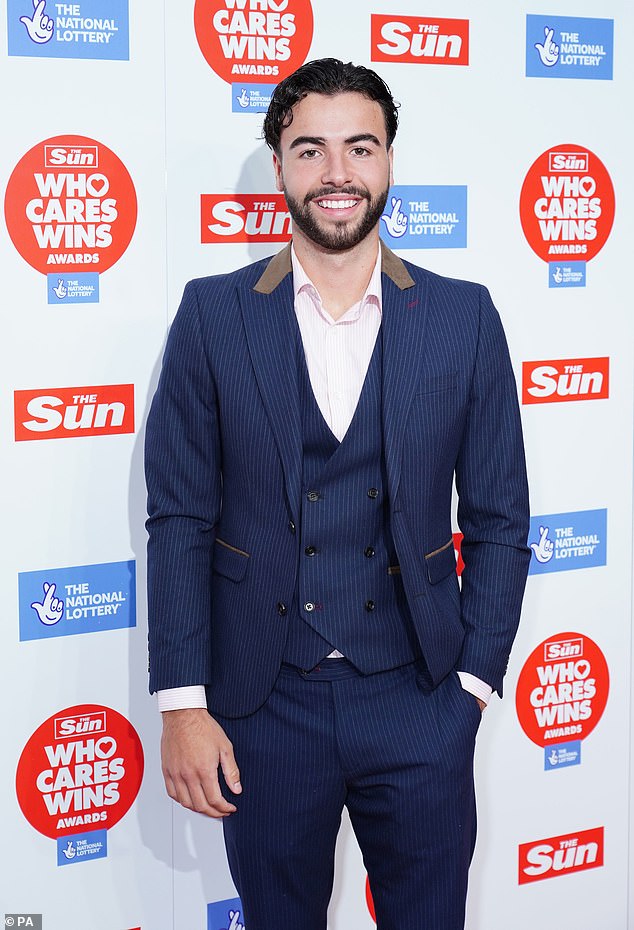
337,204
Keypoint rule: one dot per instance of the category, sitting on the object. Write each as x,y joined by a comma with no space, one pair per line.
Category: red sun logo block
420,40
560,855
66,413
567,379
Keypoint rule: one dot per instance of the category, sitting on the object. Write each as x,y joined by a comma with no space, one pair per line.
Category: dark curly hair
328,76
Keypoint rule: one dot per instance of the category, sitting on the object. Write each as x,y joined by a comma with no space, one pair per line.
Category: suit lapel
403,324
271,331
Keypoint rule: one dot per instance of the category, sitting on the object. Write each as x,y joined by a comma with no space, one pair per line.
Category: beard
343,235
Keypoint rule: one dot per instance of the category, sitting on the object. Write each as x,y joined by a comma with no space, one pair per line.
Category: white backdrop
154,109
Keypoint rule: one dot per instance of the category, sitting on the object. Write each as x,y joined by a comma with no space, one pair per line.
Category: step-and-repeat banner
132,161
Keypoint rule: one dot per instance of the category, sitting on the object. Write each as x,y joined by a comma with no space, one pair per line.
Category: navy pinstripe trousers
396,753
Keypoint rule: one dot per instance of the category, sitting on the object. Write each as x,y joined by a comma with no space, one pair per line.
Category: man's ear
277,168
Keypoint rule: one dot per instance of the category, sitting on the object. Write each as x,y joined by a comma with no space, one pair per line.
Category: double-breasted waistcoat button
369,606
291,526
282,609
373,493
368,552
310,550
309,606
313,496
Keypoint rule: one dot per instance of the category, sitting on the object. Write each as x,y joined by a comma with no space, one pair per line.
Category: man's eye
361,151
309,153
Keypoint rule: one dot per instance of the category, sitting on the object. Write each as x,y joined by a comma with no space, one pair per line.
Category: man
306,622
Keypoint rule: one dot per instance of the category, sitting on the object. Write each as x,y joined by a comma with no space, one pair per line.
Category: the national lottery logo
562,690
419,40
567,205
87,29
425,217
251,98
65,413
566,541
569,47
261,40
244,218
560,855
556,381
70,206
81,768
225,915
83,599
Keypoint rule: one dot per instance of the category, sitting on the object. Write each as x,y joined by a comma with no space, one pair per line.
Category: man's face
334,169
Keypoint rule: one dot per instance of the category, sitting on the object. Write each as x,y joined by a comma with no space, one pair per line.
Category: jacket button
313,496
369,606
282,609
291,526
310,550
368,552
309,606
373,493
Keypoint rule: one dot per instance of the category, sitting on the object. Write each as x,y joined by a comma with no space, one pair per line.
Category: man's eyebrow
351,140
363,137
306,140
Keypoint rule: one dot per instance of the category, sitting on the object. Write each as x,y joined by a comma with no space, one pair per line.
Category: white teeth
337,204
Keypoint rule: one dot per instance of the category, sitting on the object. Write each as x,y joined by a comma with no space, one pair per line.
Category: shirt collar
372,295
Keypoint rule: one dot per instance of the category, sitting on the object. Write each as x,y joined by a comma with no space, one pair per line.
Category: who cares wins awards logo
561,694
567,210
262,39
70,208
77,776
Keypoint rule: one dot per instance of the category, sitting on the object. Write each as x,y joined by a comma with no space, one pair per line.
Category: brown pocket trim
394,569
430,555
221,542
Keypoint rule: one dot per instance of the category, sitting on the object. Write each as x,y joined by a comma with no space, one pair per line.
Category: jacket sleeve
493,508
182,460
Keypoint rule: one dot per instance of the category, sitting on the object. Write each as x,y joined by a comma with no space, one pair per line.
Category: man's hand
192,747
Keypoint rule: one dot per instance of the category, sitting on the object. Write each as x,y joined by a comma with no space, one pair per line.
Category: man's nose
336,170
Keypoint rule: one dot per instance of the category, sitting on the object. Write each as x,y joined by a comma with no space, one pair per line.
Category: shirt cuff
182,698
475,686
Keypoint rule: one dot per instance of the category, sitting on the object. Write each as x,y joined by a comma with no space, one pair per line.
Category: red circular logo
70,204
256,41
567,204
562,689
81,770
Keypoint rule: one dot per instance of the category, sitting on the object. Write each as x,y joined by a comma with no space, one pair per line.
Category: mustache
327,191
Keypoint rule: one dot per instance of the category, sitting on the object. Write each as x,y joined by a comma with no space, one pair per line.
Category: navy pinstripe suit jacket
223,460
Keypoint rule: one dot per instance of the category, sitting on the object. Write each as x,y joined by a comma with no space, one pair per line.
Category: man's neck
341,278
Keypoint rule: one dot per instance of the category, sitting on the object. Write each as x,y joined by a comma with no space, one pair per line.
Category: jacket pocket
229,561
441,562
436,383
